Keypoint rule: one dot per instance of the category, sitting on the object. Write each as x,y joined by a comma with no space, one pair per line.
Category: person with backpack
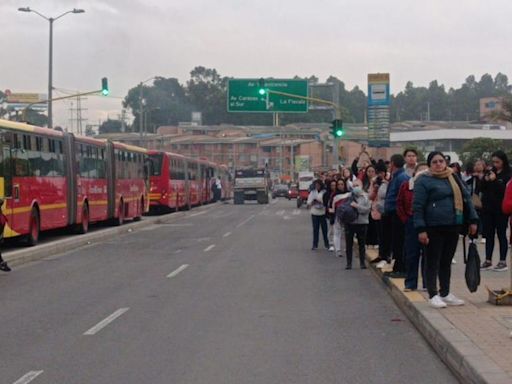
3,222
356,224
316,204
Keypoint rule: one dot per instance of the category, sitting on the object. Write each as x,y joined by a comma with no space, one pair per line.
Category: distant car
280,190
293,192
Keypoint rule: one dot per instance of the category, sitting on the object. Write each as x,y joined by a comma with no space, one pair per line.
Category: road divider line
227,234
245,221
209,248
103,323
198,213
180,269
27,378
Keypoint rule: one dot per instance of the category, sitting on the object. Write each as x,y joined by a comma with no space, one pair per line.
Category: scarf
457,193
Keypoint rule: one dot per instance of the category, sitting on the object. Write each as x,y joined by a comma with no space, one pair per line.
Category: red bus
178,182
51,179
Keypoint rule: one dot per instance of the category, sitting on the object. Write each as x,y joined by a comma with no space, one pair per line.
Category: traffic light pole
24,113
336,107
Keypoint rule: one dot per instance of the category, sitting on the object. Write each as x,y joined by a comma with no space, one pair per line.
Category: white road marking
197,214
203,239
280,213
287,217
209,248
227,234
245,221
178,251
28,377
103,323
180,269
180,225
296,212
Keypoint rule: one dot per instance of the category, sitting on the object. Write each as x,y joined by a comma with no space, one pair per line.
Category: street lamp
141,104
50,60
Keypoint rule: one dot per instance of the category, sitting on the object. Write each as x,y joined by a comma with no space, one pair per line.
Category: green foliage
110,126
479,148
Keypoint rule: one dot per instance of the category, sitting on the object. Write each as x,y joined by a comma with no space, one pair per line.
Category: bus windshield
156,162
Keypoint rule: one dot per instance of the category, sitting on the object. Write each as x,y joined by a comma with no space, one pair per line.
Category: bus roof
14,125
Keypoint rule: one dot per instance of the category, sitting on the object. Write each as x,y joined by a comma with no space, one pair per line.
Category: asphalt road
231,295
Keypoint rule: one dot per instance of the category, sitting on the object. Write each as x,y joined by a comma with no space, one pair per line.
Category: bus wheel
83,227
141,212
120,214
34,228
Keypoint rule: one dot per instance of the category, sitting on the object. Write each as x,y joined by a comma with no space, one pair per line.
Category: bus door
6,173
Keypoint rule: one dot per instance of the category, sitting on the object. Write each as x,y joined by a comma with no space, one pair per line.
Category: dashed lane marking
178,251
286,217
197,213
103,323
209,248
27,378
177,271
227,234
245,221
280,213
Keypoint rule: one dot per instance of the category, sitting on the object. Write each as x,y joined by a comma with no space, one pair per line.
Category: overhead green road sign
247,95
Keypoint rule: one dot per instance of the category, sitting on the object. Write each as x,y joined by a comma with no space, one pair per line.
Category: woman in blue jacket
438,209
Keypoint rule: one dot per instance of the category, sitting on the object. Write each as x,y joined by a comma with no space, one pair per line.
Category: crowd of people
414,214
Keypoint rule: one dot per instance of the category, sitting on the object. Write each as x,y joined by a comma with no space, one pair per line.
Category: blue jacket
433,204
399,176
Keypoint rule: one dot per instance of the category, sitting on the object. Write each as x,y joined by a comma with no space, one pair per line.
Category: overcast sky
132,40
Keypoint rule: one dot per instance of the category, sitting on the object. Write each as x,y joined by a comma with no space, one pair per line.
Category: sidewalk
474,340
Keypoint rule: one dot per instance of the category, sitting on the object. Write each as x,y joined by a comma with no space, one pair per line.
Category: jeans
384,237
413,254
439,254
360,231
340,244
319,221
495,222
397,243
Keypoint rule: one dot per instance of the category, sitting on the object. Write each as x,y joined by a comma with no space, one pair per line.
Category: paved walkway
480,331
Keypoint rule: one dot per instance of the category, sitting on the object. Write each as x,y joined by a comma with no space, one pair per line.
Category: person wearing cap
3,221
438,216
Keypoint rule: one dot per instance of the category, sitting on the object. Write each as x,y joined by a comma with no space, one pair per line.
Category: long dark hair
503,157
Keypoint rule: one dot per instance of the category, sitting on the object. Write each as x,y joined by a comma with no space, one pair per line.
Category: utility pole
141,112
428,110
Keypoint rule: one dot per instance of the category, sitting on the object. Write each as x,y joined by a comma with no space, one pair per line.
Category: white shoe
381,264
452,300
482,241
331,249
437,302
454,261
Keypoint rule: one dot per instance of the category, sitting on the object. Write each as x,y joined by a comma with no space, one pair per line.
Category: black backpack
345,213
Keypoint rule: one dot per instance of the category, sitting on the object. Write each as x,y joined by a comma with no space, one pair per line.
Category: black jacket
493,192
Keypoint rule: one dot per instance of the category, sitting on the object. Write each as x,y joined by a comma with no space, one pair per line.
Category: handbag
472,261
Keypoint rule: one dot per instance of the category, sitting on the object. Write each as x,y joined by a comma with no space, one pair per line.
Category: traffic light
261,86
337,128
104,87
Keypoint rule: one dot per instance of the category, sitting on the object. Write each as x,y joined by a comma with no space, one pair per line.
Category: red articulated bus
178,182
51,179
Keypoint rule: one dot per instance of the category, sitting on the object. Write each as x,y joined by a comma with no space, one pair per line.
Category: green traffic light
104,87
104,92
339,132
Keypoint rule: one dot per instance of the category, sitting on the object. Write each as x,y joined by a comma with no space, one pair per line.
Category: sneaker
486,265
314,248
482,241
381,264
362,266
348,267
331,249
500,267
437,302
4,267
395,275
454,261
451,299
339,254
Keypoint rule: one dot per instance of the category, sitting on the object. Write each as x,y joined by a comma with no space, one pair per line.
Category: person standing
397,227
438,214
413,252
316,204
328,196
3,222
341,195
494,220
360,226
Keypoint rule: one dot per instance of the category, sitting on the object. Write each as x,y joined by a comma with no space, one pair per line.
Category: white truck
251,184
305,180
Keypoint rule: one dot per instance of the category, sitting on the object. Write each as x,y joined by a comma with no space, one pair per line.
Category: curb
22,256
456,350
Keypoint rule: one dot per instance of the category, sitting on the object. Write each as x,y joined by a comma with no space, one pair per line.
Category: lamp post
141,105
50,59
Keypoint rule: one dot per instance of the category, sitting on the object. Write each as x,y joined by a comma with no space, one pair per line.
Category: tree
479,148
110,126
